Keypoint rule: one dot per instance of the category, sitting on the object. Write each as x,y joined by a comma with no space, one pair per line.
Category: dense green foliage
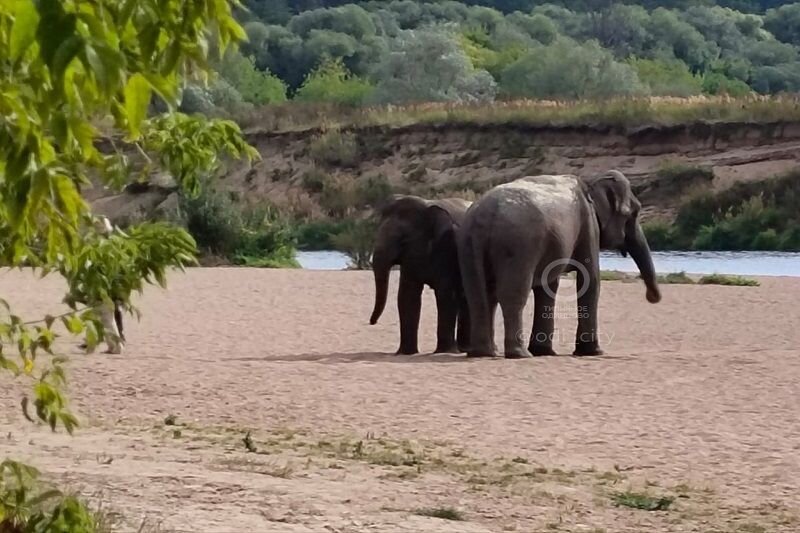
250,236
417,50
749,216
65,66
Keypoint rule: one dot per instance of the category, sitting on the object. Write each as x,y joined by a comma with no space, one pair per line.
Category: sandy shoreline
697,396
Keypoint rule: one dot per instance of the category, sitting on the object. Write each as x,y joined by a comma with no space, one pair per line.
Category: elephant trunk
636,245
381,266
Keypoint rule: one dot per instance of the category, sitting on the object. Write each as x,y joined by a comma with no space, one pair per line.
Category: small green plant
249,445
28,506
445,513
334,148
675,278
613,275
723,279
643,501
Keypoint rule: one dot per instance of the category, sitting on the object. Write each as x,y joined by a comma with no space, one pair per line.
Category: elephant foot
482,352
463,348
447,348
587,349
517,353
541,350
406,351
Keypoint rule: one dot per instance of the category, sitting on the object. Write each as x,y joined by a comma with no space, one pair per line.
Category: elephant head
407,226
617,211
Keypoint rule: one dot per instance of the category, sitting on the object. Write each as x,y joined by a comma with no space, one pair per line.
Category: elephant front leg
409,305
588,285
447,311
463,327
544,303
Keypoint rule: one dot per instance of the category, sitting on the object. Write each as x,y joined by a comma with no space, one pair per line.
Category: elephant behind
420,236
524,234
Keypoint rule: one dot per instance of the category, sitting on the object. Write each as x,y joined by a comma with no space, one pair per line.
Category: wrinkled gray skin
519,236
419,235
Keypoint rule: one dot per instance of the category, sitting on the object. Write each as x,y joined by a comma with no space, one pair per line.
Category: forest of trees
403,51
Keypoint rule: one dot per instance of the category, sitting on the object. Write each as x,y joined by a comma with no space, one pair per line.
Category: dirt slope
442,160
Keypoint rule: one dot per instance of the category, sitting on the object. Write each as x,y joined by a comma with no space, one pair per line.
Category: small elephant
524,234
420,236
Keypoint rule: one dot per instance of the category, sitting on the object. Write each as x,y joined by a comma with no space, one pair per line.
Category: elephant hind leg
541,341
514,282
475,270
447,311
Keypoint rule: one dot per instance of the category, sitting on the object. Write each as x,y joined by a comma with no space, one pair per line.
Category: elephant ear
390,205
438,221
614,205
612,192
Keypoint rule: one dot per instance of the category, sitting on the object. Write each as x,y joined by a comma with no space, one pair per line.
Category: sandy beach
696,400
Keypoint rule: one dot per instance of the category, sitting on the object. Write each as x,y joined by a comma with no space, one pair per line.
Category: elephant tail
473,263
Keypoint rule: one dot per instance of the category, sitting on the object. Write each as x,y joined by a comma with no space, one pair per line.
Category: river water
737,263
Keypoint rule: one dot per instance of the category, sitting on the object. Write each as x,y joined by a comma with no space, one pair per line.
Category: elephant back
455,207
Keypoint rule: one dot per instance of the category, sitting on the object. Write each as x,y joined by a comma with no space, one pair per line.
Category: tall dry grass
627,112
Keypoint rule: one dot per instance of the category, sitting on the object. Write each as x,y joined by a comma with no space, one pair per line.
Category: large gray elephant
419,235
524,234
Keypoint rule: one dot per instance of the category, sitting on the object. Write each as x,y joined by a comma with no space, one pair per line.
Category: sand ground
696,400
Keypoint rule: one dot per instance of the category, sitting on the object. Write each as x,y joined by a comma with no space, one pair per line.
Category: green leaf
73,324
23,31
137,98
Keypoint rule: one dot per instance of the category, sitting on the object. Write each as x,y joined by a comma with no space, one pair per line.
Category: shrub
645,502
357,241
338,198
315,180
318,234
250,236
332,82
718,83
430,66
256,86
225,96
196,99
758,215
335,148
372,191
721,279
593,73
667,78
660,235
675,278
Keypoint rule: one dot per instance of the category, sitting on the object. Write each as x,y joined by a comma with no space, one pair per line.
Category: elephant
523,235
420,236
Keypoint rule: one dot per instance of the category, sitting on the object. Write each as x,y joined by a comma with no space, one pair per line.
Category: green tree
593,73
255,86
667,78
784,23
63,65
430,66
332,82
